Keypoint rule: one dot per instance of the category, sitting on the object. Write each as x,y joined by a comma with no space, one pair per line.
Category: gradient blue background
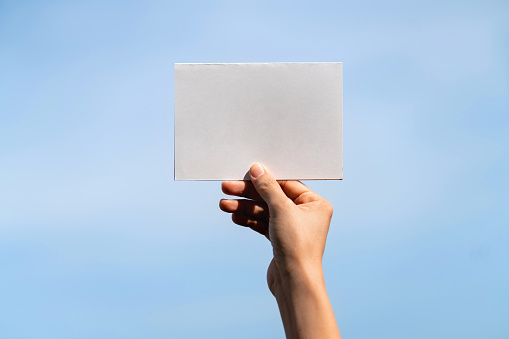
98,241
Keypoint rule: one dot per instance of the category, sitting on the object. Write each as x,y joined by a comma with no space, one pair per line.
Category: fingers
253,209
267,187
254,224
241,189
293,190
248,213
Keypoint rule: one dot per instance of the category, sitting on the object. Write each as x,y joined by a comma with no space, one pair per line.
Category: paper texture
286,116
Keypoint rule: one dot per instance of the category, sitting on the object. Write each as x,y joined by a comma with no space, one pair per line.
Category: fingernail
256,170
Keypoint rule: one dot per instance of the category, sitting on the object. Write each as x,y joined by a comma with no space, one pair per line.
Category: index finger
240,188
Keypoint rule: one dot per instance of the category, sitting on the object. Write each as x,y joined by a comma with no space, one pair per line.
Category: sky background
98,241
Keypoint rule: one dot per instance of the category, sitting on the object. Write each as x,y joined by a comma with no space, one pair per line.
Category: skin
296,221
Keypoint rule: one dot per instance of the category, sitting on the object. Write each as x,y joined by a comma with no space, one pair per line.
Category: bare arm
296,221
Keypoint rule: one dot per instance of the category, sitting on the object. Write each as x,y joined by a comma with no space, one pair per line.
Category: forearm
304,305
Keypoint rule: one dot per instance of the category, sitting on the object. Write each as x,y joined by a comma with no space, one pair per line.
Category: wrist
299,277
303,302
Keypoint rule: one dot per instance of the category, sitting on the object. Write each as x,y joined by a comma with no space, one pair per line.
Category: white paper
286,116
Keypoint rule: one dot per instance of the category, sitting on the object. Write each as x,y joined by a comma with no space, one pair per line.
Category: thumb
266,186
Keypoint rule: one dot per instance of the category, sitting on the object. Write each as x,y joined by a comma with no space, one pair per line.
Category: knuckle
327,207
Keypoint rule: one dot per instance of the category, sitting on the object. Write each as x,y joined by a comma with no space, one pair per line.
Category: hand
294,218
296,221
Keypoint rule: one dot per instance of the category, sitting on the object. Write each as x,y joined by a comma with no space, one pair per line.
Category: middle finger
253,209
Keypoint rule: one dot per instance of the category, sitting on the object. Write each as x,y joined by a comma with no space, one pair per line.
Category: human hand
294,218
296,221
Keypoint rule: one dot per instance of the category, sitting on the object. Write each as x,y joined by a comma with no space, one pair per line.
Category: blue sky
98,241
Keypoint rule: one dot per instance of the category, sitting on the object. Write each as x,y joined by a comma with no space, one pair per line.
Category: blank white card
286,116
